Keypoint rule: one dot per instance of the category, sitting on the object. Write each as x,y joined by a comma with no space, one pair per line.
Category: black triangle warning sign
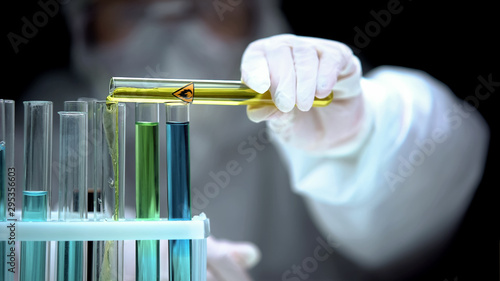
185,93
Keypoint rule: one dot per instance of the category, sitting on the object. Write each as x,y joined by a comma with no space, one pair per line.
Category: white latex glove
296,69
229,261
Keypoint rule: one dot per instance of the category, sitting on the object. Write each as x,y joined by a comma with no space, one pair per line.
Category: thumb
245,254
227,260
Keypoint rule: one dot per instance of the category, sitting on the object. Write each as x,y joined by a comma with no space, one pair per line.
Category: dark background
456,42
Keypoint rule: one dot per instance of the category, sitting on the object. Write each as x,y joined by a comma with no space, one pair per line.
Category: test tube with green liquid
71,255
7,116
37,181
178,186
109,186
214,92
147,187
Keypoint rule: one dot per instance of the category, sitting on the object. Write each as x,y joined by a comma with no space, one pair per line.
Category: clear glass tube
178,186
38,147
86,105
3,192
3,175
80,106
37,181
215,92
109,186
90,109
147,187
71,257
7,116
7,130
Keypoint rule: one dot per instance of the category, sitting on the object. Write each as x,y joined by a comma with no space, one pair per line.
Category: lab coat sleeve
404,182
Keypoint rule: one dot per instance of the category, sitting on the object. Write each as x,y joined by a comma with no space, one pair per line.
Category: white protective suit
399,186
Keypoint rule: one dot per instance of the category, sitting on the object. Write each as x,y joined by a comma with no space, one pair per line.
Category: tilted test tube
213,92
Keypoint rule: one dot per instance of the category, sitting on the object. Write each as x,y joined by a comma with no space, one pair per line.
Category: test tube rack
14,230
196,230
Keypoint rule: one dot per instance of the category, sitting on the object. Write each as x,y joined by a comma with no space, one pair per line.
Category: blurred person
352,191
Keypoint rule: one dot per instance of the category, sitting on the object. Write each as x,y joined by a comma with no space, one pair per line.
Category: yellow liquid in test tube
212,92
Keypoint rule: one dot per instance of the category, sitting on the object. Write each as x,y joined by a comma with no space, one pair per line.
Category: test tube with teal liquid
147,187
71,255
37,181
178,186
7,205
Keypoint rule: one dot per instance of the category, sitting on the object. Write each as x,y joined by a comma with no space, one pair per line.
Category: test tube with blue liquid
147,187
6,161
71,255
178,186
37,182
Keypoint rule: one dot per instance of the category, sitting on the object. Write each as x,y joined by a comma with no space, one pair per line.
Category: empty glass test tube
80,106
84,106
109,186
37,182
147,187
71,255
178,186
7,205
87,105
215,92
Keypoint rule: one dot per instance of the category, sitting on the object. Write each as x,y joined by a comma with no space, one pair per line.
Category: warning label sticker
185,93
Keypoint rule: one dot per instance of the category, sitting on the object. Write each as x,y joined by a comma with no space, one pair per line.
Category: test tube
215,92
178,186
109,186
80,106
85,105
147,187
90,109
7,207
3,185
37,181
71,255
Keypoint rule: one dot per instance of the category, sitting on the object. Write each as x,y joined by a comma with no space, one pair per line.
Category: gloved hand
229,261
296,69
